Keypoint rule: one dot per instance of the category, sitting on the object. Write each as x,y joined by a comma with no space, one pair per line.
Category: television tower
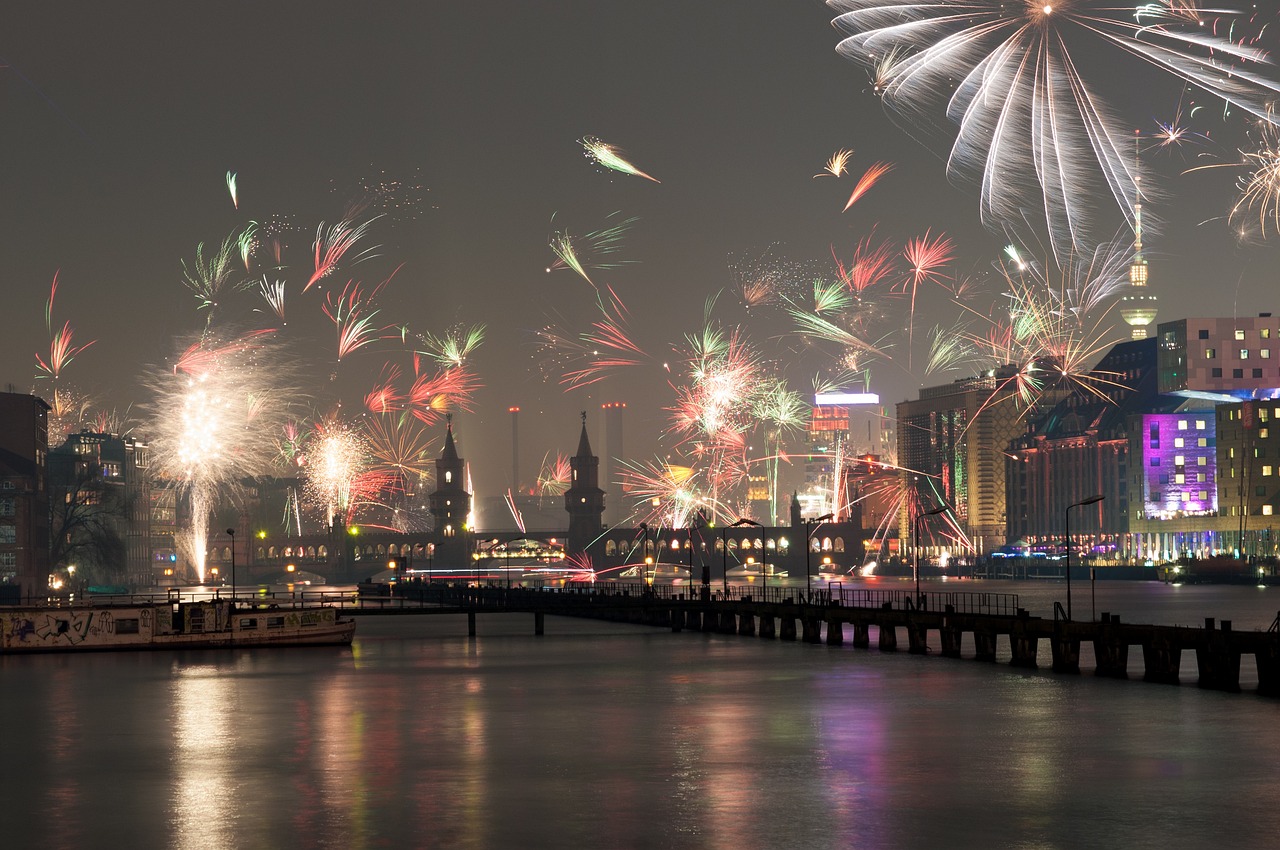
1137,304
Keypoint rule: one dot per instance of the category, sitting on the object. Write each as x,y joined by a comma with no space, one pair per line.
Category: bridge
343,557
989,620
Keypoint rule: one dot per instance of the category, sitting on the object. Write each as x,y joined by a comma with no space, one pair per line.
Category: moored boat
204,624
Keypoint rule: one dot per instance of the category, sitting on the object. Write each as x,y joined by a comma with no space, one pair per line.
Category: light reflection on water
599,735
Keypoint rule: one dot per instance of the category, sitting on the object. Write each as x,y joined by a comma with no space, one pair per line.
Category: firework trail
333,244
453,347
608,345
555,475
515,512
1029,131
231,187
435,394
924,257
869,178
837,165
213,422
608,156
248,243
384,397
62,347
592,250
871,265
273,294
209,277
353,319
1259,185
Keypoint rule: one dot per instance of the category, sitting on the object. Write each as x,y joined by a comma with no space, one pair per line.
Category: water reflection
204,803
601,736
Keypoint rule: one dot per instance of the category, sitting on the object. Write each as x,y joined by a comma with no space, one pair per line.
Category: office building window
1257,373
1237,373
1217,373
1203,334
1239,334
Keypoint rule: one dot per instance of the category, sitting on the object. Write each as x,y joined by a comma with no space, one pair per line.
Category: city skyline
128,124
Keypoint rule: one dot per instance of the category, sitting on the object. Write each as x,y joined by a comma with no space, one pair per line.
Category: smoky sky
121,120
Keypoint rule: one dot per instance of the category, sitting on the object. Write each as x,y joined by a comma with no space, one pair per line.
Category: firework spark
352,317
594,250
555,475
209,277
62,347
869,178
838,164
231,187
333,244
608,156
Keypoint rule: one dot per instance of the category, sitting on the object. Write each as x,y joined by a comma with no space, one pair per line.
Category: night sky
121,121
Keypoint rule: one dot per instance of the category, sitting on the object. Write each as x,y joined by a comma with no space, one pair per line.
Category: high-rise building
952,441
1220,360
24,493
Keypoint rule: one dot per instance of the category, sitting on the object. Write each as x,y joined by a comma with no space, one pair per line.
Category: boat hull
189,625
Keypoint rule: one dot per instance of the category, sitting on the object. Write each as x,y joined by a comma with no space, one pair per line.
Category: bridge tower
584,500
450,505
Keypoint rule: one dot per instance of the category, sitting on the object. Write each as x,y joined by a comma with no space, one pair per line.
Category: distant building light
846,398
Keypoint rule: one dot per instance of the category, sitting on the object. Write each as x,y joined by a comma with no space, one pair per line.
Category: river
613,736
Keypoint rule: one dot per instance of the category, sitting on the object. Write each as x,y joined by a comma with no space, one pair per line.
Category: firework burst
1030,132
213,421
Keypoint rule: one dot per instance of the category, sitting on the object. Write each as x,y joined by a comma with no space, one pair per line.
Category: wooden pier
834,617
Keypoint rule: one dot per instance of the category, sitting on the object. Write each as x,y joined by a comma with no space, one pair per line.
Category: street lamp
232,532
811,528
724,547
700,520
920,516
1089,501
644,552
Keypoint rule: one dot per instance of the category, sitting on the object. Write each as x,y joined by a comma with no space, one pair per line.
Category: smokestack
614,506
515,448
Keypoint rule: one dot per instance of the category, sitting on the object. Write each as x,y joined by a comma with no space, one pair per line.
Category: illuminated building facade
1221,360
1081,448
1249,476
841,425
952,439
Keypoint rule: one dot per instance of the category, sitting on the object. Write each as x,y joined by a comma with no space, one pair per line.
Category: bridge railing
961,602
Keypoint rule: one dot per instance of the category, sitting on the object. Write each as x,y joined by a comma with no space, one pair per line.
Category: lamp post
811,528
1089,501
232,532
700,517
920,516
724,547
644,551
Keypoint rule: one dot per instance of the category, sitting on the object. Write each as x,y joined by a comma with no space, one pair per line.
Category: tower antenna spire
1137,304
